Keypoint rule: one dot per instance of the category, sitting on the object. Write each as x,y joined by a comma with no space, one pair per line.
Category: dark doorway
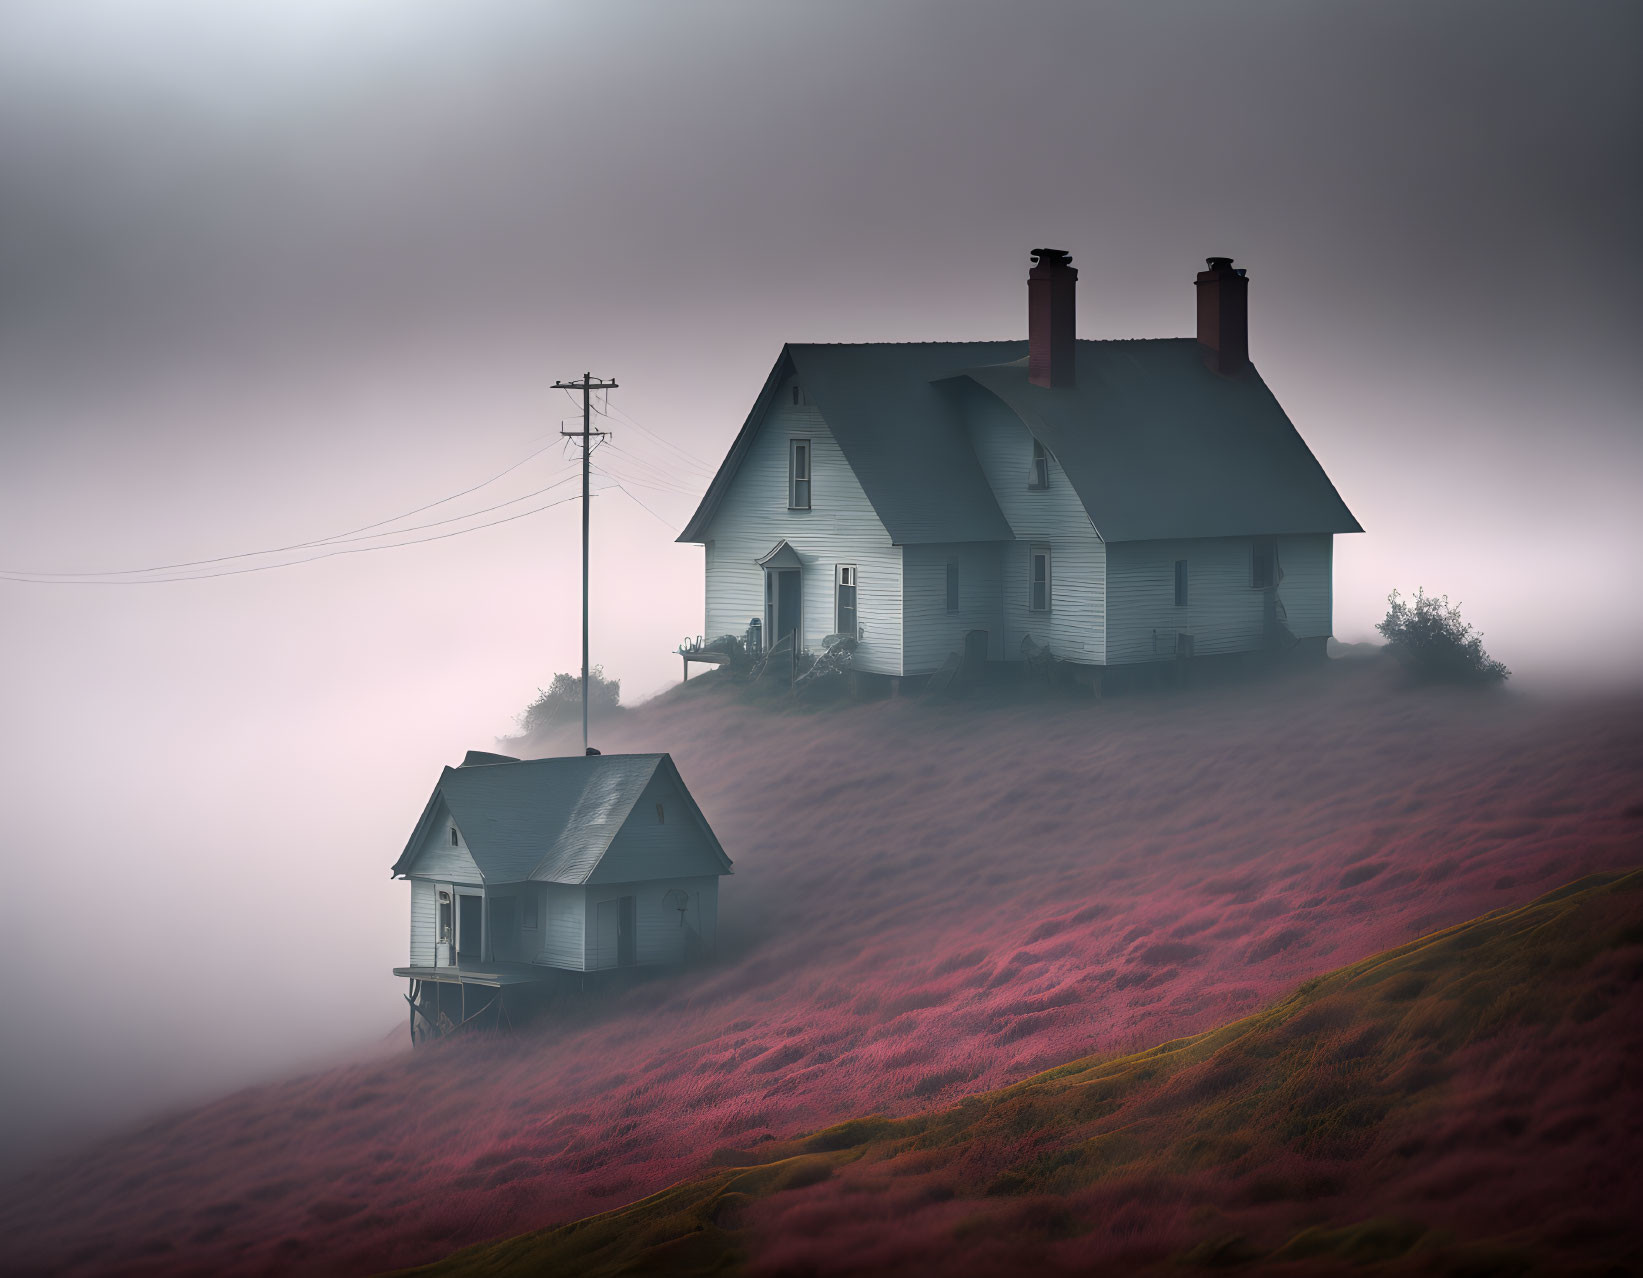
975,652
787,607
470,914
627,939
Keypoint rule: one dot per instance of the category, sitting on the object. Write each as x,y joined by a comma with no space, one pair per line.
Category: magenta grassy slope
926,902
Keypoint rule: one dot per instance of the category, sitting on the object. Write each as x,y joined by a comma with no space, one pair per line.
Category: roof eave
698,523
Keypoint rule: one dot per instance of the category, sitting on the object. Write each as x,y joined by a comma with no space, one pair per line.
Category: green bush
1427,635
560,703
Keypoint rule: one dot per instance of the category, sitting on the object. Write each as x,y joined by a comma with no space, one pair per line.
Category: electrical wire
330,554
666,523
15,574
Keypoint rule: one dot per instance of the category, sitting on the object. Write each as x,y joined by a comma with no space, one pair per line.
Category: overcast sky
274,271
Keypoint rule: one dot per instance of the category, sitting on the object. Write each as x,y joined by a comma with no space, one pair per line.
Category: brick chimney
1051,318
1223,316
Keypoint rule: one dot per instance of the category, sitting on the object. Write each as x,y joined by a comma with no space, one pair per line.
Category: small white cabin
1113,502
520,870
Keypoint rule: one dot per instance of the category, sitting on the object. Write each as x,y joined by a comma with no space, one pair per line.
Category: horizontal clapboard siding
439,859
1075,626
929,631
841,527
1223,613
562,934
661,937
424,921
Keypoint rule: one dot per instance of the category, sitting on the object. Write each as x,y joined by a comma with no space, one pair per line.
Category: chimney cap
1052,257
1220,264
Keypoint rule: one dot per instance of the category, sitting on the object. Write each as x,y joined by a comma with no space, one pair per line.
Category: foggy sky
273,271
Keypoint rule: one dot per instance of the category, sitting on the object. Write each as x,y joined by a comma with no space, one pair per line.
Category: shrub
1427,635
560,702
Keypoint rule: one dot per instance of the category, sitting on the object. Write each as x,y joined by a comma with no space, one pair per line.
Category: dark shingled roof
1154,443
551,820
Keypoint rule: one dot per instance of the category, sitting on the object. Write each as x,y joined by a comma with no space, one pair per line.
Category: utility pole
587,386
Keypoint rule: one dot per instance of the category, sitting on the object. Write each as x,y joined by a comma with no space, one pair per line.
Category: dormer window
1040,476
798,474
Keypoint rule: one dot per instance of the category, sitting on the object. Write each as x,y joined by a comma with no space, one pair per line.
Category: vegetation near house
560,702
1427,635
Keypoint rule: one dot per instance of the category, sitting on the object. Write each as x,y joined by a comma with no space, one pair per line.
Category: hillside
1462,1104
928,902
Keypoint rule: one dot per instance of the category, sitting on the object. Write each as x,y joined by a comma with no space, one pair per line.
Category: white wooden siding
840,527
562,934
424,921
645,849
1223,613
661,938
438,859
1075,626
929,631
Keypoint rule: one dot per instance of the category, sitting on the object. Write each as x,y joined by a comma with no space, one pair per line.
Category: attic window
455,841
661,814
798,474
1040,477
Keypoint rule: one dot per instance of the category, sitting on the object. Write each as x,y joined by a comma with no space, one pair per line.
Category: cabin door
606,933
782,601
470,926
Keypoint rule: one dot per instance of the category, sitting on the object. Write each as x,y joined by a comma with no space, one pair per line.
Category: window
795,392
798,474
952,585
844,592
1040,477
1180,583
1038,592
1263,564
444,917
527,908
661,815
455,842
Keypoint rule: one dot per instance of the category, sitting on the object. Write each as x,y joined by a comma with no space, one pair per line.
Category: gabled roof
1154,443
551,820
906,447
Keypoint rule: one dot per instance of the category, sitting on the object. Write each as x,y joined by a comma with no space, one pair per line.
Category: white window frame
845,577
794,478
1034,552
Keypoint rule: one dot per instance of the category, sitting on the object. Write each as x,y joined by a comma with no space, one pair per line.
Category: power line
20,574
330,554
633,496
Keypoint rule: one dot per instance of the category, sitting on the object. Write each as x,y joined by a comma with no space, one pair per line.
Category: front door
607,929
470,924
787,606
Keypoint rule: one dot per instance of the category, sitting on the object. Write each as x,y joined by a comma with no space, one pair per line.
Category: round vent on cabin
676,899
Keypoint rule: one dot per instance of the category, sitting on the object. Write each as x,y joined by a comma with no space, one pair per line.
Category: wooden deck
491,975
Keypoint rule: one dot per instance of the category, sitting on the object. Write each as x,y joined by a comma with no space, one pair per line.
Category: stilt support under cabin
442,1003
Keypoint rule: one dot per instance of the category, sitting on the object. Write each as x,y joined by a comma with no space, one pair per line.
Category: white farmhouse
523,871
1118,502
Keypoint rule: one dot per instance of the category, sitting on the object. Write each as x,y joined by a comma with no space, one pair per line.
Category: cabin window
795,392
444,917
1040,476
798,474
844,591
1180,583
455,841
527,909
1263,564
1038,590
661,815
952,585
